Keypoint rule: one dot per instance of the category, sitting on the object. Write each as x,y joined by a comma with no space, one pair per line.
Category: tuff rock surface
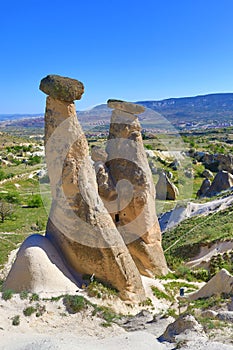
129,193
165,189
103,225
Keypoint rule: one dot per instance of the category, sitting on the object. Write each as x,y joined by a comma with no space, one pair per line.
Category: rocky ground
52,326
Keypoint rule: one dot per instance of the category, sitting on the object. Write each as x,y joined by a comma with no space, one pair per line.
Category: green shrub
16,320
11,197
2,175
99,290
29,311
34,297
35,201
146,302
7,294
160,294
23,295
33,160
149,147
75,303
107,314
201,274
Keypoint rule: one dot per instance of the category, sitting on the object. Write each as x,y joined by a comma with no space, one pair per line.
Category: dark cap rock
62,88
126,106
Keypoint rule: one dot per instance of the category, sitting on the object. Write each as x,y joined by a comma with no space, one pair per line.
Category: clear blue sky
131,50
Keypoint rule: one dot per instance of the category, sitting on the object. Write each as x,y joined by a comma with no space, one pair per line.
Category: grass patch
23,295
101,291
34,297
160,294
7,294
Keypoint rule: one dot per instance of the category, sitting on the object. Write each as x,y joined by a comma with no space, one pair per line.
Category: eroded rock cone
132,204
204,188
165,189
79,224
222,181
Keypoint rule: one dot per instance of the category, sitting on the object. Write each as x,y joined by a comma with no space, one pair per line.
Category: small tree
6,209
35,201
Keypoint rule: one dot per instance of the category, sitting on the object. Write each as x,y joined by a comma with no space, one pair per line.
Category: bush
7,294
35,201
29,311
2,175
34,297
107,314
160,294
16,320
75,303
11,197
34,160
99,290
23,295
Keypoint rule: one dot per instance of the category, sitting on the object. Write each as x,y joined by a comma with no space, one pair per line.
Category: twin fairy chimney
101,222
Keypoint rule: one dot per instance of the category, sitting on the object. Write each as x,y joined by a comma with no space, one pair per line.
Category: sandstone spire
79,224
133,206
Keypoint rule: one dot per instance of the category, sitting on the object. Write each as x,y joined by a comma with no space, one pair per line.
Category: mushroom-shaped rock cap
126,106
62,88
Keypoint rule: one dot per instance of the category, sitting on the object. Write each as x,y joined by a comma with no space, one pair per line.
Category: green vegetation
99,290
160,294
147,303
184,241
215,301
35,201
34,297
38,309
75,303
107,314
23,295
16,320
29,311
7,294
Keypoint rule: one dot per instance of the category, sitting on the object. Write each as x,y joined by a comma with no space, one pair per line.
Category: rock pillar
133,207
79,224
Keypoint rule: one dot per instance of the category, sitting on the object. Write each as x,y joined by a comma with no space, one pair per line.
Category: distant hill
206,111
212,106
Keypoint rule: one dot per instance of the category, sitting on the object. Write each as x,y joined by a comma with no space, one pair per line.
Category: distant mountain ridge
208,106
209,109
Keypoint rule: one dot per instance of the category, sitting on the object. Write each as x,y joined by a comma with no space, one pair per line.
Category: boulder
207,174
230,305
226,316
133,206
189,173
222,282
175,165
98,154
204,188
128,107
62,88
217,162
184,328
222,181
152,167
39,268
165,189
209,314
